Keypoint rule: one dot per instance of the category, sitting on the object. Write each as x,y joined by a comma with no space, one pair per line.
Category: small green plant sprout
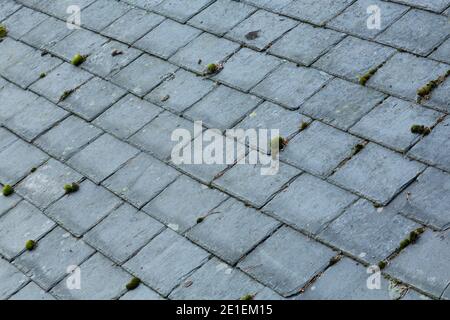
420,129
3,31
382,264
65,95
213,68
7,190
277,144
78,59
358,148
200,219
30,245
42,75
71,187
366,77
304,125
247,297
133,284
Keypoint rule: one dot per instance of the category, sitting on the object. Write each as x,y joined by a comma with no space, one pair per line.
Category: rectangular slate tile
92,98
341,103
103,63
181,10
17,160
67,137
353,57
183,202
305,43
216,280
222,108
22,223
246,181
141,179
164,40
141,293
80,211
390,123
143,74
290,85
417,31
10,278
440,97
247,68
275,264
58,8
443,52
46,184
12,51
102,157
102,13
127,116
204,50
222,231
48,263
368,233
221,16
356,18
424,264
22,21
9,202
31,292
180,91
269,4
47,34
102,279
319,149
315,11
123,233
309,203
261,29
377,173
434,148
437,5
132,25
64,78
166,261
405,73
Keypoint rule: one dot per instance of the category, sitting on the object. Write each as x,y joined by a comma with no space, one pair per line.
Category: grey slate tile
102,13
144,4
8,8
31,292
23,21
440,97
315,11
59,7
443,52
6,138
437,5
11,279
141,293
47,34
181,10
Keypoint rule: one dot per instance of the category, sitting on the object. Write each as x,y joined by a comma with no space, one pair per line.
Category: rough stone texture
141,293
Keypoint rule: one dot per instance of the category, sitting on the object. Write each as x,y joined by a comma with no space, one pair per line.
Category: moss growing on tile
366,77
30,245
404,243
7,190
78,59
133,284
3,31
335,259
277,144
420,129
247,297
65,95
425,91
212,69
42,75
71,188
33,169
382,264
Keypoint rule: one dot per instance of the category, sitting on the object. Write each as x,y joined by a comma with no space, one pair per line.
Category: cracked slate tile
269,4
22,223
58,8
23,21
368,233
144,4
274,263
221,232
82,210
181,10
47,34
31,292
102,13
377,173
183,202
309,203
10,278
50,261
141,179
167,251
14,99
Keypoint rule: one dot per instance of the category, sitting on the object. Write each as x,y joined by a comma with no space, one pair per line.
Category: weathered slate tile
22,223
102,13
356,18
269,4
390,123
181,10
377,173
167,38
440,98
309,203
261,29
51,260
367,233
341,103
141,293
143,74
424,264
204,50
443,52
8,8
183,202
80,41
417,31
31,292
14,99
305,43
222,108
102,279
47,34
247,68
319,149
127,116
141,179
290,85
437,5
353,58
58,8
315,11
6,203
275,264
434,148
12,51
166,261
144,4
102,157
6,138
123,233
82,210
10,278
221,16
23,21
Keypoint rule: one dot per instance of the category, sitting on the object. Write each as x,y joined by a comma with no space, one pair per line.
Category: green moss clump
65,95
71,188
200,219
133,284
247,297
425,91
78,59
7,190
30,245
33,169
304,125
42,75
358,148
420,129
366,77
3,31
382,264
404,243
211,68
